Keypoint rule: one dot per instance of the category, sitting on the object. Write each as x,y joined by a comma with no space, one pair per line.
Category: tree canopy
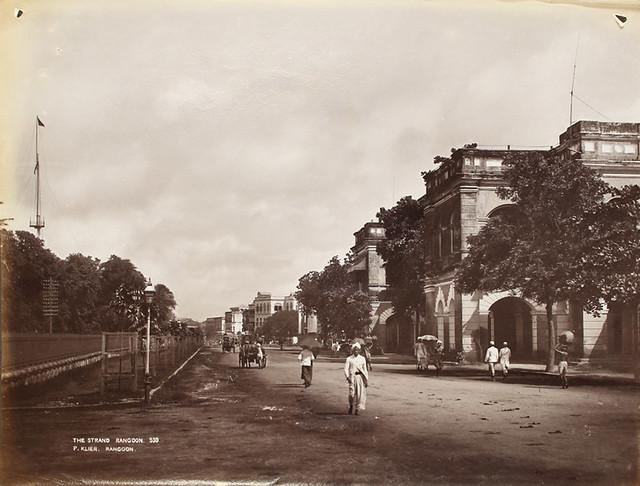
93,296
547,247
334,296
281,325
611,264
403,252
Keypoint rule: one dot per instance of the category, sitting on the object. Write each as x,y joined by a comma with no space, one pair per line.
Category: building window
494,164
606,148
629,149
618,148
589,146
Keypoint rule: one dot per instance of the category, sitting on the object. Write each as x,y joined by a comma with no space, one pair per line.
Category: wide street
215,421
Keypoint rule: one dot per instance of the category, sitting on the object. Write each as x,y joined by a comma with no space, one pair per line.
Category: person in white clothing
355,371
491,358
505,359
420,352
306,358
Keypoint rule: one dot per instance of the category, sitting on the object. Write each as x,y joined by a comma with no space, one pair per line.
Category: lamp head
149,292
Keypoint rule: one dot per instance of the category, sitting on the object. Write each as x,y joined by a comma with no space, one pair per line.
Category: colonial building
233,320
369,273
460,198
266,305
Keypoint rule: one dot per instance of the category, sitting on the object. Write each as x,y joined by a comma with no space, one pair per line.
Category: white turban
356,345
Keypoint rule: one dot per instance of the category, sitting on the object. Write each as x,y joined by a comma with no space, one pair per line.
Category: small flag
39,122
621,20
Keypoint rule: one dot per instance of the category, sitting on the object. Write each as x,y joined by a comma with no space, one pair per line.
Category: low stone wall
29,375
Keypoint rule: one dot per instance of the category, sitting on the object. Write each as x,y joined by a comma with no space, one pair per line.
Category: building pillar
492,331
534,333
519,332
430,309
440,328
452,333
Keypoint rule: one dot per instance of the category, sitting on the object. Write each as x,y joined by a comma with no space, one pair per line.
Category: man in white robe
355,371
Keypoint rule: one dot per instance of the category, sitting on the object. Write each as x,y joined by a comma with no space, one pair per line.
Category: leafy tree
79,292
164,304
539,248
129,308
26,263
120,286
403,252
281,325
611,264
93,296
309,293
336,299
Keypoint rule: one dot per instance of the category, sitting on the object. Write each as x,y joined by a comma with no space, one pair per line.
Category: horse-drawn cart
229,343
251,353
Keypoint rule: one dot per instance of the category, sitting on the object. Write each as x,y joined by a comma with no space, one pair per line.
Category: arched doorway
510,321
399,334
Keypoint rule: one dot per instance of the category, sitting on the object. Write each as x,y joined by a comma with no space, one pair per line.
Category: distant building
460,198
233,320
214,327
266,304
367,269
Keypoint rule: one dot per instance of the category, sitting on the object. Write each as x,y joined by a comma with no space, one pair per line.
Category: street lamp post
149,293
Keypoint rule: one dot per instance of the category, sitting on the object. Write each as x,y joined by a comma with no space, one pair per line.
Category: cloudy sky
230,147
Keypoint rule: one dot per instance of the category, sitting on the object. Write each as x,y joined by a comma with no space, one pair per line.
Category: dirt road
218,422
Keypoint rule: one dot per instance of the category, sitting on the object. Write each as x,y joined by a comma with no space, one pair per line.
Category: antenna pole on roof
573,81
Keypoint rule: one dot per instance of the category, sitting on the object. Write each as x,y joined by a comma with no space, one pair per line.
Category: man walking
355,371
563,363
491,358
505,358
306,358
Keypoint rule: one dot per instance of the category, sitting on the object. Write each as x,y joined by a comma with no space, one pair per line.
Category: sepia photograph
358,242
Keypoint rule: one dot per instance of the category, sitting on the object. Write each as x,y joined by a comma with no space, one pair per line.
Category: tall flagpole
39,223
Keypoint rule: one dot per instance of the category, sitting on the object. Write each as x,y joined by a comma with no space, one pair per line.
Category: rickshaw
435,354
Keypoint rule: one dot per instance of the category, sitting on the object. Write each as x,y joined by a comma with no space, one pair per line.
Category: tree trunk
551,342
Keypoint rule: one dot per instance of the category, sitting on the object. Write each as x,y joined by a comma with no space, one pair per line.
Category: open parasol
428,337
309,340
